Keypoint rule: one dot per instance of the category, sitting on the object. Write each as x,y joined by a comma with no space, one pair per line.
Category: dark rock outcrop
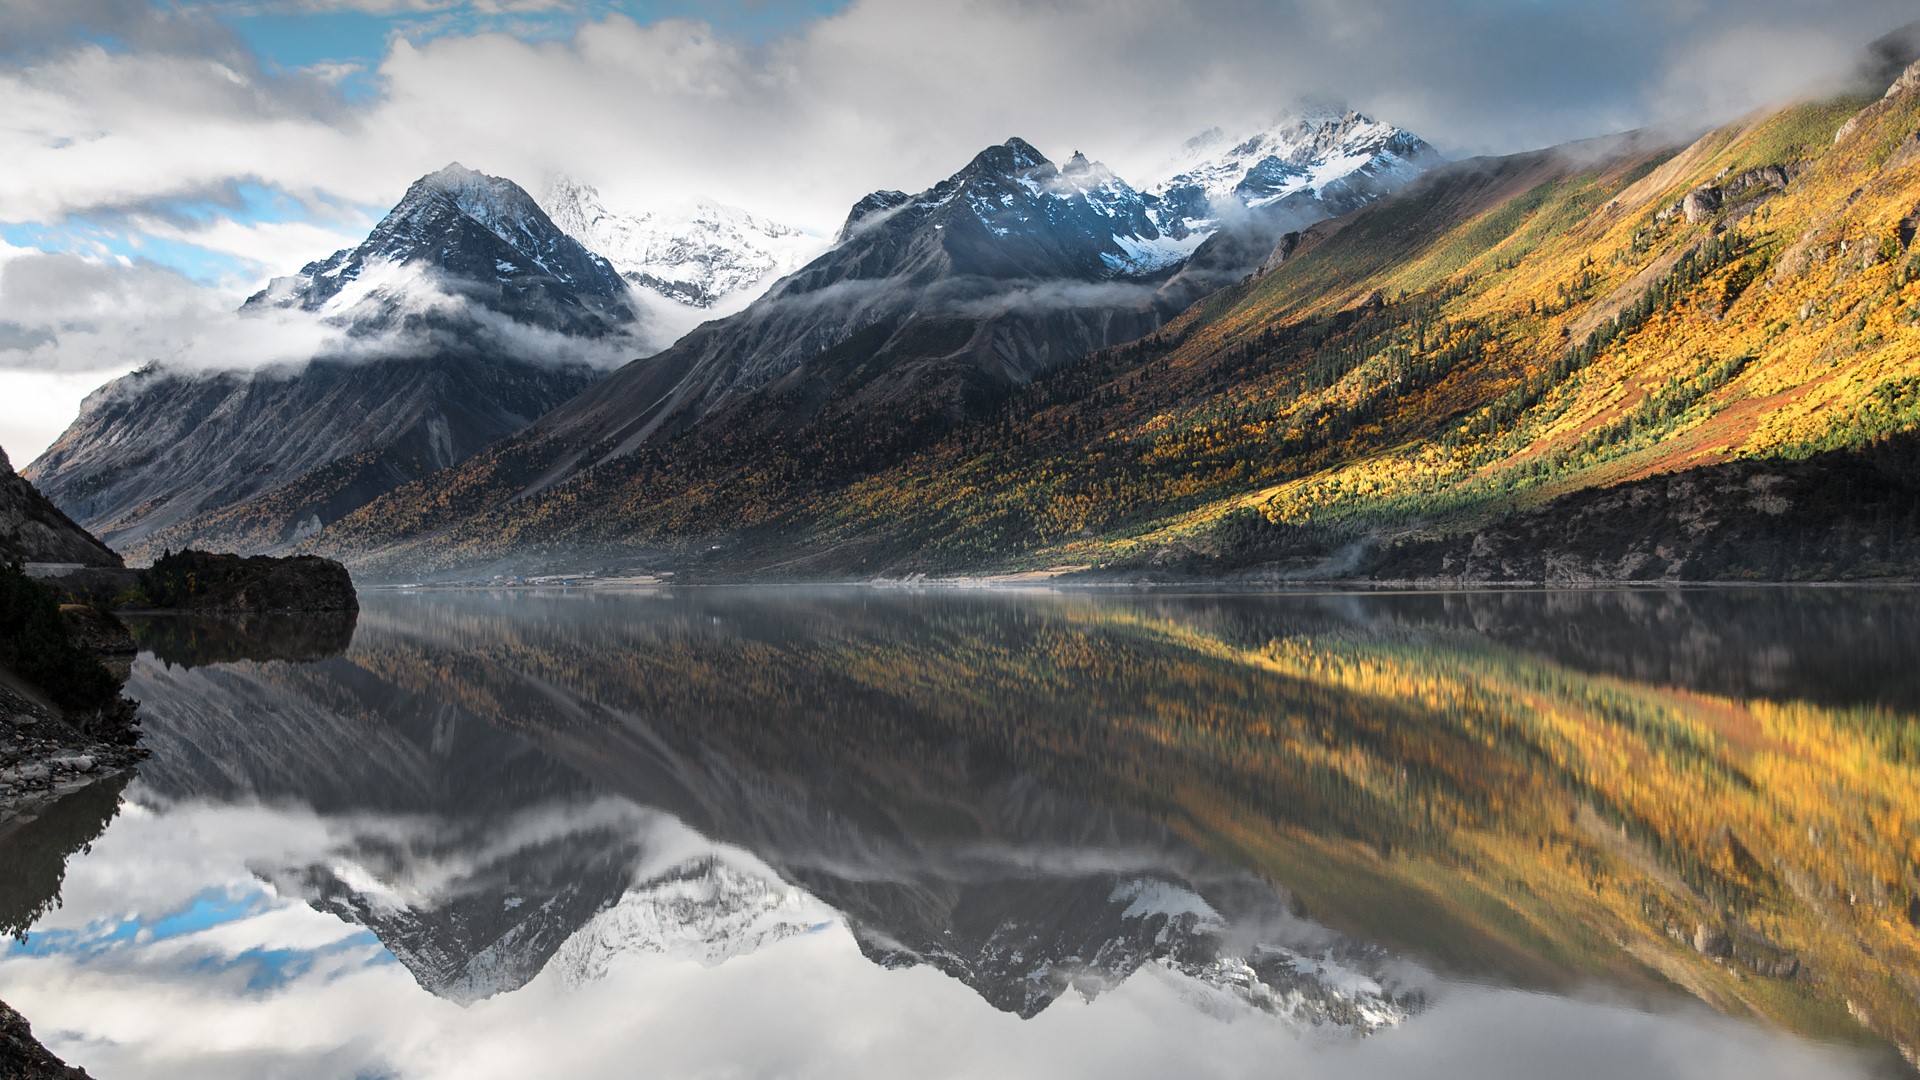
1841,515
97,631
201,581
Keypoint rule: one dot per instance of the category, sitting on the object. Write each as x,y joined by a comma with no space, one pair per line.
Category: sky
166,157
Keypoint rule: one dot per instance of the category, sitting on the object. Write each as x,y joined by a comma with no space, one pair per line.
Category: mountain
930,310
33,530
464,315
703,259
1497,335
706,909
460,235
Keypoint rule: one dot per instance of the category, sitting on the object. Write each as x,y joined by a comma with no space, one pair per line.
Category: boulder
1700,204
1712,941
1907,83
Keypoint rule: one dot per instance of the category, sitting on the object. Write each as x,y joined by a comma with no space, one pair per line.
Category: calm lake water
865,833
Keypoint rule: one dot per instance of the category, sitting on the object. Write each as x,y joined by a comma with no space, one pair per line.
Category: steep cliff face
33,529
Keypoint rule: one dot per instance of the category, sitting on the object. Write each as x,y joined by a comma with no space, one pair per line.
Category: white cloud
36,406
271,244
889,93
70,314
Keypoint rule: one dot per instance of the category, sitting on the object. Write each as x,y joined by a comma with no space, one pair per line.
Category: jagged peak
453,174
469,191
1009,158
880,202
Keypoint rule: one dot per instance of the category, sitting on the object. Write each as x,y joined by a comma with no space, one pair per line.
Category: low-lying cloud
68,314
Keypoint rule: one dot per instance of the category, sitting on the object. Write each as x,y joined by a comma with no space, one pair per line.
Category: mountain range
450,315
445,331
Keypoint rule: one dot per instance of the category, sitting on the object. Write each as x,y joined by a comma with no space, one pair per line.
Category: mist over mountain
464,315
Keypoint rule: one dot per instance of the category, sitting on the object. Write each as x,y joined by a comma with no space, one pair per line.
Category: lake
860,832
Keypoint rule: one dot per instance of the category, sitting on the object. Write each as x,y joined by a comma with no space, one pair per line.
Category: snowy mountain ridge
1013,192
1302,155
704,255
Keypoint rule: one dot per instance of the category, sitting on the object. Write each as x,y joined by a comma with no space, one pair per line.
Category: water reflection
1235,819
197,640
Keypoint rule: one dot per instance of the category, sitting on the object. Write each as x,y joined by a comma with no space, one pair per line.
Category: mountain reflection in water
1130,833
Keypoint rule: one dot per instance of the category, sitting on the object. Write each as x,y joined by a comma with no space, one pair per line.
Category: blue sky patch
289,42
211,908
81,236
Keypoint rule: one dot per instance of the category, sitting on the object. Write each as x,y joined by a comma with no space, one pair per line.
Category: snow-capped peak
457,240
1302,154
703,254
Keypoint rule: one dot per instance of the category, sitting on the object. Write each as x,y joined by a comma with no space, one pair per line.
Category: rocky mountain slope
929,310
460,234
464,315
33,530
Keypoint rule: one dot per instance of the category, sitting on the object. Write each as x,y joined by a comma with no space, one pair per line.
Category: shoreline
43,759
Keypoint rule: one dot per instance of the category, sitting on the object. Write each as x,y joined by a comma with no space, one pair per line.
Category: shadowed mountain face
252,462
470,236
450,327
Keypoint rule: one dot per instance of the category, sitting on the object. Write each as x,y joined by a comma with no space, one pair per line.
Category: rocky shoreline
43,758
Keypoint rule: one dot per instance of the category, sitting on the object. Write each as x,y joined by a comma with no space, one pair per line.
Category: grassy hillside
1506,332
